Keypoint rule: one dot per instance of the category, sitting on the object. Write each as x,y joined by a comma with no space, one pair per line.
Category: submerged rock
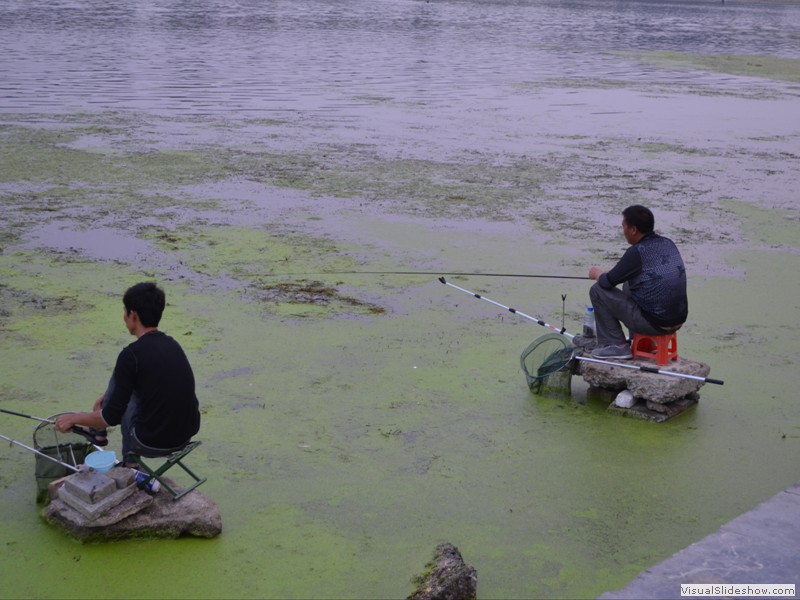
446,577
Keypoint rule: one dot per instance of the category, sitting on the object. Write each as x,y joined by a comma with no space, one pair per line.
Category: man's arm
628,267
94,419
113,407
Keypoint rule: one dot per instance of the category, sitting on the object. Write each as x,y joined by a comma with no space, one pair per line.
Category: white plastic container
152,486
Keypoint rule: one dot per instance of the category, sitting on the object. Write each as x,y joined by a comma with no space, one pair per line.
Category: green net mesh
68,448
547,364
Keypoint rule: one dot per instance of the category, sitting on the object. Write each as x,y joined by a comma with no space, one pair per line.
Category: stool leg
661,352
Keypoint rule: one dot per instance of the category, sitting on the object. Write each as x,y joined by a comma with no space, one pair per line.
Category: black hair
640,217
148,300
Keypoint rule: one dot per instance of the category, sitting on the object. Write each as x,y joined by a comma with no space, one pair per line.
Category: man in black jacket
653,300
152,390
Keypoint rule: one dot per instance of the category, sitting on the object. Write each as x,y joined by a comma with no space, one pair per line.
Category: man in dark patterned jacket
653,299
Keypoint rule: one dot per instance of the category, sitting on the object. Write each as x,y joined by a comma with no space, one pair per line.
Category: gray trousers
614,308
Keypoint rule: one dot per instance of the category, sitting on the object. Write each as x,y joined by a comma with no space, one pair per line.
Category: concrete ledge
761,546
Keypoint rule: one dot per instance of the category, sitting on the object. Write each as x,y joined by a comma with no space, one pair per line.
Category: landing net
548,365
68,448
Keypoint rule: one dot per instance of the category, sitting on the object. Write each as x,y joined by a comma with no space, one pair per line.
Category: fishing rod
562,331
584,358
18,414
35,451
427,273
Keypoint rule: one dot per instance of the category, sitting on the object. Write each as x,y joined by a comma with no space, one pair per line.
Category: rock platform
658,397
96,507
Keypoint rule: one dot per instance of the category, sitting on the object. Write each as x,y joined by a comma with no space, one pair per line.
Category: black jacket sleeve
628,267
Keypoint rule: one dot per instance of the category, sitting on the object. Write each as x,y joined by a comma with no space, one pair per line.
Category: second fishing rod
452,273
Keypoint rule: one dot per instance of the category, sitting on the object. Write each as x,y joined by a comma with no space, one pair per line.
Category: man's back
156,370
660,288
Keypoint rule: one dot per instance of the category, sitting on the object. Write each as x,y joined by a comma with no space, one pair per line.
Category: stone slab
759,547
122,476
70,518
93,510
664,412
89,486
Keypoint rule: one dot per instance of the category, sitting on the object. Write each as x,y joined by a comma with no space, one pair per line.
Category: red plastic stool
661,348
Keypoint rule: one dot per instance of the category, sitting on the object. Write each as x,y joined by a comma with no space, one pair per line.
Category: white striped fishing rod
37,452
561,330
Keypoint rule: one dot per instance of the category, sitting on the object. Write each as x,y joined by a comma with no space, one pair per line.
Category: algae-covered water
353,422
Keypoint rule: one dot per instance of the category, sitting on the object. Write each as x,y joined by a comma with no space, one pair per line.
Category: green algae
45,155
662,147
433,188
650,88
248,256
351,423
769,67
778,228
244,253
55,155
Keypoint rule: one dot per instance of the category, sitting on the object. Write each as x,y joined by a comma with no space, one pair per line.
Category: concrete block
90,486
100,527
122,476
93,510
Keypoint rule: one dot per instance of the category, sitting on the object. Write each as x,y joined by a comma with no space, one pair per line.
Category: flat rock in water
657,413
141,515
653,388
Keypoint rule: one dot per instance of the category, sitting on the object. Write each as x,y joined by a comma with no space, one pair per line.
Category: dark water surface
256,57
